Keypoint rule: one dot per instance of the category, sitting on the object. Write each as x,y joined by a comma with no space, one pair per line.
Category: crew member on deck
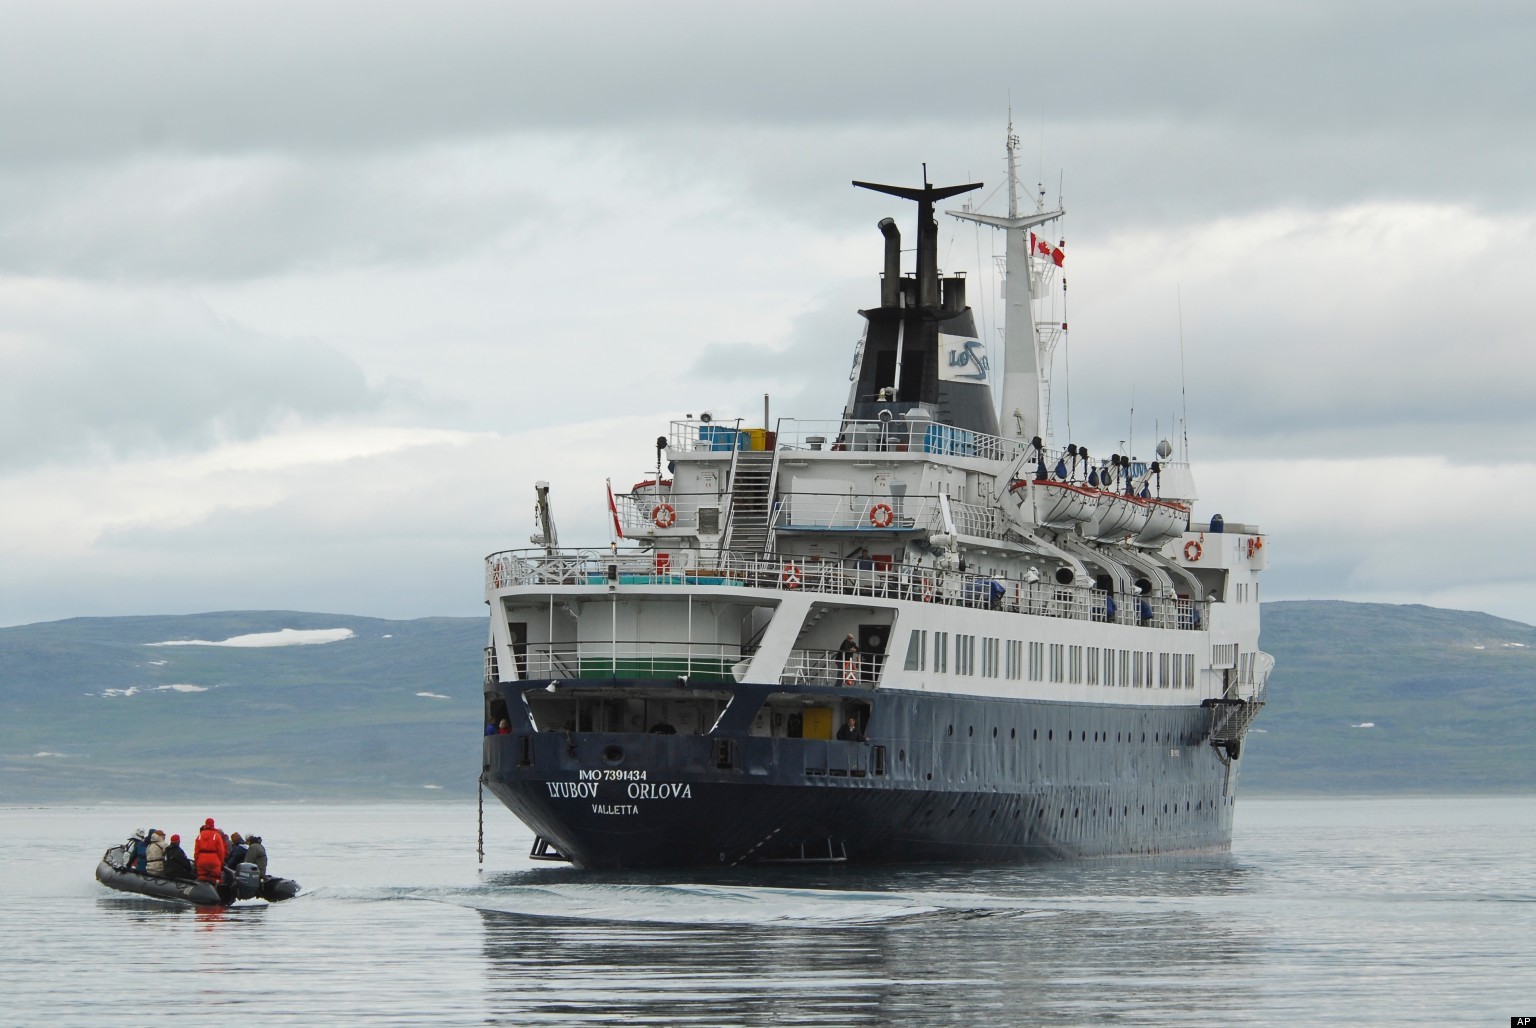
850,732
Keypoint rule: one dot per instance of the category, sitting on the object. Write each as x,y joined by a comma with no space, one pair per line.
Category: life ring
850,671
881,515
1193,550
1251,547
791,576
927,589
664,515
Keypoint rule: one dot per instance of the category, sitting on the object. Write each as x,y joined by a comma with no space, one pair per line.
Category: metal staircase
752,478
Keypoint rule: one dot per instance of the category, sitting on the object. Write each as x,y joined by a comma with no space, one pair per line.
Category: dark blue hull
941,778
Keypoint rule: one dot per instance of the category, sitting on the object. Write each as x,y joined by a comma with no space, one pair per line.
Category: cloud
282,637
93,374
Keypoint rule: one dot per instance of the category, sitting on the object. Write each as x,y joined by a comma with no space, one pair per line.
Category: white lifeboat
1165,520
1053,503
1116,516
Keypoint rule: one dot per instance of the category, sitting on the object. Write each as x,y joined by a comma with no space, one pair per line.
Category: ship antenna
1183,384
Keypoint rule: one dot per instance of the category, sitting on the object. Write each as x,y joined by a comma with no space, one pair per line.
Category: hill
1447,694
96,709
99,709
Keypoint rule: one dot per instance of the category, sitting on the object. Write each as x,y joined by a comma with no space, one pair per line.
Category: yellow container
759,438
816,723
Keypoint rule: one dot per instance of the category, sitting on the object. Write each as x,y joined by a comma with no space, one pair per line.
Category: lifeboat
1165,520
1116,516
1053,503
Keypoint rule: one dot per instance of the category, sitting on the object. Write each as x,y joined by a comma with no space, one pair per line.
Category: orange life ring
1251,547
664,515
1193,550
881,515
791,576
927,589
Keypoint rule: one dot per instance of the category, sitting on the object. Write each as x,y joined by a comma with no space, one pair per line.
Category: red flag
613,511
1044,249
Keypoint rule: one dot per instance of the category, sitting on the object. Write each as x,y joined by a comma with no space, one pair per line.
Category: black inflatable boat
248,884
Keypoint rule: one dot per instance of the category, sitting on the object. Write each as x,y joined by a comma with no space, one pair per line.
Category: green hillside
1447,692
307,722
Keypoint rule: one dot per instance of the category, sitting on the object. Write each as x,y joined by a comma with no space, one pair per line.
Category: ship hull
942,778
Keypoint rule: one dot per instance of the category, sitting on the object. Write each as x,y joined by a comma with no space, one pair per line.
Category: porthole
951,729
1050,735
1076,811
970,731
1034,733
901,754
1063,812
994,731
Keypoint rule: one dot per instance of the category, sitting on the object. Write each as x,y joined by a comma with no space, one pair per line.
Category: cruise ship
920,631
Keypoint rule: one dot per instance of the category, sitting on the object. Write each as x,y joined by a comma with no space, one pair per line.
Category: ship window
1163,677
965,654
941,652
1036,661
1075,665
1058,653
1093,665
917,651
1125,668
1189,670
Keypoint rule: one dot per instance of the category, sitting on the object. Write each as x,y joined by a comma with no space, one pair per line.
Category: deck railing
832,667
623,658
854,577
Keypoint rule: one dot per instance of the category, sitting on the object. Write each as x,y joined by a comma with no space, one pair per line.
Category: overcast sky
297,300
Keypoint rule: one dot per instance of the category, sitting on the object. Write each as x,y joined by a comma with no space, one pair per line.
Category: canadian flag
613,511
1039,246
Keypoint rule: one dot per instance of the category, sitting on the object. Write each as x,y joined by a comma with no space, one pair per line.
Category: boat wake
703,905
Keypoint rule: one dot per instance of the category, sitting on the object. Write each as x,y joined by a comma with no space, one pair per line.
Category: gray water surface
1358,911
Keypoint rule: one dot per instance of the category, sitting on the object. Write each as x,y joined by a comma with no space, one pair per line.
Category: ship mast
1026,360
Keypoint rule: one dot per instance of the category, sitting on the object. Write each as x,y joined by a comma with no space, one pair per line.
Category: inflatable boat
248,883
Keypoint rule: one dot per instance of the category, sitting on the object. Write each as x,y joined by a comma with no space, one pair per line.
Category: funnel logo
963,359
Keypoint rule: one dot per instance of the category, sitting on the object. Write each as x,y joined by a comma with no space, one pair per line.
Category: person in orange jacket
209,853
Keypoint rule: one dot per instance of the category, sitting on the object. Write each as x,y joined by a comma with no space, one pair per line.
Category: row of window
1054,662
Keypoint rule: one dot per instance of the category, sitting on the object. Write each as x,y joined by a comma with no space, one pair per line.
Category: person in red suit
209,853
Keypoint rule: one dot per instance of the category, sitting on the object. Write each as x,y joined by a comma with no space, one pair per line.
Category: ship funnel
890,285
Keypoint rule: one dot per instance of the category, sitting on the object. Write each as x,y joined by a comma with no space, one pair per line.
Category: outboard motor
247,881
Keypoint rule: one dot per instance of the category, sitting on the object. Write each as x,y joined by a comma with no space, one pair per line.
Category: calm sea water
1365,911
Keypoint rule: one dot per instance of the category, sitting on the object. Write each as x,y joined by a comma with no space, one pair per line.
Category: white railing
699,662
900,435
832,667
855,511
642,514
975,519
860,576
